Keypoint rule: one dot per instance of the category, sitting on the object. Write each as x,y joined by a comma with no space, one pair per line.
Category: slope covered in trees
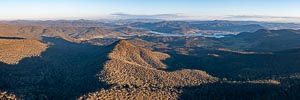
12,51
144,70
7,96
135,70
70,33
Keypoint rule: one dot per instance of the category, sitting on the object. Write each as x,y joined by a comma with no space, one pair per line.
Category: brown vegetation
7,96
242,52
132,94
129,53
70,33
12,51
139,74
29,32
130,65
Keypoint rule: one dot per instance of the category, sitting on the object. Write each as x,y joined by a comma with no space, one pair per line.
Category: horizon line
173,17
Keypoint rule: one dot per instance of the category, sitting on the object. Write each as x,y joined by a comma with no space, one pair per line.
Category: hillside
12,51
7,96
136,69
70,33
264,40
29,32
146,63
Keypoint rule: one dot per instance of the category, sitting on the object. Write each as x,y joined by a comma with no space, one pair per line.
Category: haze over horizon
254,10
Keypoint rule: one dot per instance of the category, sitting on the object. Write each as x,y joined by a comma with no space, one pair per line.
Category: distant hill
185,27
71,33
59,23
229,27
270,40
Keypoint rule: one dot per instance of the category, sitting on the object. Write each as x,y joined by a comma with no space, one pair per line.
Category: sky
189,9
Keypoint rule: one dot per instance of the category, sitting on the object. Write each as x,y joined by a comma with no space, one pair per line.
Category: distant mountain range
175,27
269,40
183,27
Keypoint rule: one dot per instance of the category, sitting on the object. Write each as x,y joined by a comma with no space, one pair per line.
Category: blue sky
93,9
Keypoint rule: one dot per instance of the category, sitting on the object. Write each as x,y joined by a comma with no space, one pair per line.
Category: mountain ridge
137,77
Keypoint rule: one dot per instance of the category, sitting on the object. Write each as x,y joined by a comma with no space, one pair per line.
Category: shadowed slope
64,71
